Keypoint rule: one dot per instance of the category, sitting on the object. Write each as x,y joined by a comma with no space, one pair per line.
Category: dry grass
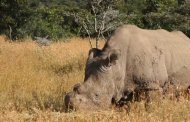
34,80
39,76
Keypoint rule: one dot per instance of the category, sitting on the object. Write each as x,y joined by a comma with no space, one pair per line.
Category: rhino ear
93,53
113,56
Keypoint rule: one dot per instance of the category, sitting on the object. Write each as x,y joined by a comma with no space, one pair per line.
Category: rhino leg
139,95
182,94
125,101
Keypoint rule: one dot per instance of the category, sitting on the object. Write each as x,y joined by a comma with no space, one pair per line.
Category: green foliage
57,18
43,22
34,18
169,15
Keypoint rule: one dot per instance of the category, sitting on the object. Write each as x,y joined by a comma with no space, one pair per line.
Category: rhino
132,60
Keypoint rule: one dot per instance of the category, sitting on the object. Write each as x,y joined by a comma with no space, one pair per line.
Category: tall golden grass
34,80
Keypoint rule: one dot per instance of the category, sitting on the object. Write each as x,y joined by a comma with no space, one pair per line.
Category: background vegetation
65,18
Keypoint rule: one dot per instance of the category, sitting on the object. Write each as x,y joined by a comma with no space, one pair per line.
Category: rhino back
150,56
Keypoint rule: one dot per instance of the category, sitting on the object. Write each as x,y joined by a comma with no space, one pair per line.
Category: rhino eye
95,98
96,95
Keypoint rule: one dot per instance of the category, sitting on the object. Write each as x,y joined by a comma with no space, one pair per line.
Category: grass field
34,80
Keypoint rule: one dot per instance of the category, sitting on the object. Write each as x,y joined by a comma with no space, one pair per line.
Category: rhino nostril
77,88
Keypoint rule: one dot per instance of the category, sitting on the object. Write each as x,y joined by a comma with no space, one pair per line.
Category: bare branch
100,19
85,27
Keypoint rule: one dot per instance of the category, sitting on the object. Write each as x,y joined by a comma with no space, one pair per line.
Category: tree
169,15
24,18
99,19
10,11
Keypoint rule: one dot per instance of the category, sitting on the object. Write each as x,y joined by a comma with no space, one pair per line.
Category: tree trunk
10,33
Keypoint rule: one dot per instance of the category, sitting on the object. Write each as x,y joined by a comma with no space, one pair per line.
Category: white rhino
132,60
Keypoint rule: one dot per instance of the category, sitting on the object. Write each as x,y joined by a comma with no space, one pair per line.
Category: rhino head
98,88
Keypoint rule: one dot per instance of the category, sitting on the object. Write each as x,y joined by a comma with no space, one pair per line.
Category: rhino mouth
69,107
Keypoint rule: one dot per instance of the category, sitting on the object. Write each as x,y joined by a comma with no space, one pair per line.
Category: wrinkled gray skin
133,59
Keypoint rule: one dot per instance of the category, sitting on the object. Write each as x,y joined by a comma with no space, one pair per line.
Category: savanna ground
34,80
